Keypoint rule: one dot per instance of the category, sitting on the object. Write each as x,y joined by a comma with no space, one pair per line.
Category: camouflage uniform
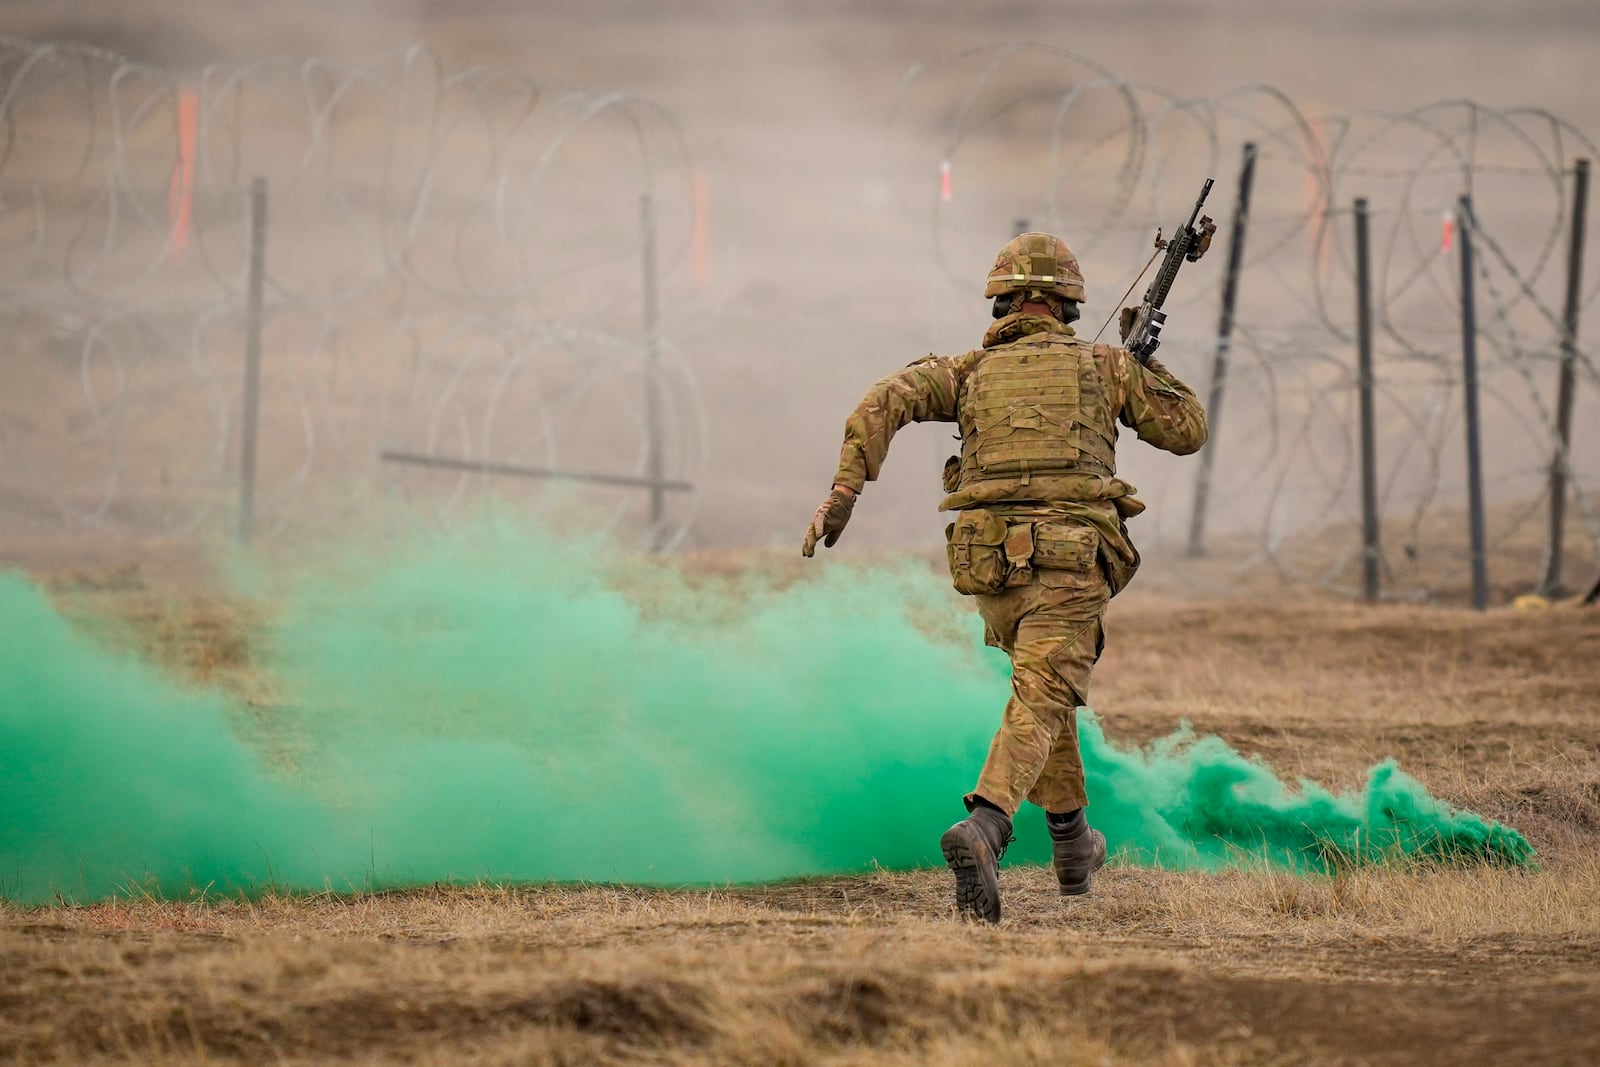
1058,521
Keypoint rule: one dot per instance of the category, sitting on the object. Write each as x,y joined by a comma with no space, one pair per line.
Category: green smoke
494,705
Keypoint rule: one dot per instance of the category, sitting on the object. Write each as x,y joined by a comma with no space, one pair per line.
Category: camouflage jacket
1148,399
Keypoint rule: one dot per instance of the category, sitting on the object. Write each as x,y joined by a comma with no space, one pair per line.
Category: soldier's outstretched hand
829,521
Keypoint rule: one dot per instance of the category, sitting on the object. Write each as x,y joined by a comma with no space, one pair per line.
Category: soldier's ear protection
1006,301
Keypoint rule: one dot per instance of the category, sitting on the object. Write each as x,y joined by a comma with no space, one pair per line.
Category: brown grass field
1499,712
1494,711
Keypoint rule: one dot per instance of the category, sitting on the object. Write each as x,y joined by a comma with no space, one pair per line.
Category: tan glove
1125,321
829,521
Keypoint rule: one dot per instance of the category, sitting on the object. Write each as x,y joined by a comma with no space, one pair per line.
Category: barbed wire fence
449,254
461,275
984,142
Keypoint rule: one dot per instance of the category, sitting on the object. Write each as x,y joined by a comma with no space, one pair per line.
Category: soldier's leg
972,847
1059,788
1078,849
1045,628
1057,629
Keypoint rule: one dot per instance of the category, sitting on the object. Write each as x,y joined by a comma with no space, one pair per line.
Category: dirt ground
1493,711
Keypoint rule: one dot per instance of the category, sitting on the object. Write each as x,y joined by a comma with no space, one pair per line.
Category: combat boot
972,848
1080,850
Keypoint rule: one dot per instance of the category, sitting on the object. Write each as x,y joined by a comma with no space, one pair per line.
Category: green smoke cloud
493,705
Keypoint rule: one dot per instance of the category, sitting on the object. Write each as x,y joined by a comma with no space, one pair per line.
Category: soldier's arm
1161,409
926,391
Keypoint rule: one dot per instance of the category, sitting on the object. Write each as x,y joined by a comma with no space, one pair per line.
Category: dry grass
1176,968
1385,965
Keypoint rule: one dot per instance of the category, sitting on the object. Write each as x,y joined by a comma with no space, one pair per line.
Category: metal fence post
1364,383
252,359
1550,584
1469,388
652,395
1219,363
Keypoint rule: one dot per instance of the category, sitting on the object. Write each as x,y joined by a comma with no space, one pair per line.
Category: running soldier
1039,538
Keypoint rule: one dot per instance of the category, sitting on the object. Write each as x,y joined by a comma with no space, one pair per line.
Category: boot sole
977,883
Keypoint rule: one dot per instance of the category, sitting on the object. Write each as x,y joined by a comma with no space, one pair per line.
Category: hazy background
805,251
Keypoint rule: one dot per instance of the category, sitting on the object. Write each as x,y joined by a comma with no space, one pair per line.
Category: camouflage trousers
1051,628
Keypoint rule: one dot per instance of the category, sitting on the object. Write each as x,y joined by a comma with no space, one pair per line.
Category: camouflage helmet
1039,261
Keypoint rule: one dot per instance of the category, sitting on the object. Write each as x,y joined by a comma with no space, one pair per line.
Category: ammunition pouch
988,555
975,547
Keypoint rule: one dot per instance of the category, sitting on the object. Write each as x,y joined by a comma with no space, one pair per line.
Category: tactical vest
1036,407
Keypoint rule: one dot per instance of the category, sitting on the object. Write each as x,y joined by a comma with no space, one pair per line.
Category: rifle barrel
1205,190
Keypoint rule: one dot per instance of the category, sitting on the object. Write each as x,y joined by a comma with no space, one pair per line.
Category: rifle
1143,335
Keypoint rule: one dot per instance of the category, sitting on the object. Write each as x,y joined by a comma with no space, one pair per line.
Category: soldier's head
1036,269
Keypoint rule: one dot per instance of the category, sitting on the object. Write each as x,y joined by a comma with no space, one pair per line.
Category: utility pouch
1120,571
1128,506
1019,554
975,545
1065,547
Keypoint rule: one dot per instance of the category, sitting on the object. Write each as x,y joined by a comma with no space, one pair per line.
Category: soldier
1038,540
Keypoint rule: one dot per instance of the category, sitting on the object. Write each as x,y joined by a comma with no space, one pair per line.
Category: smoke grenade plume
494,704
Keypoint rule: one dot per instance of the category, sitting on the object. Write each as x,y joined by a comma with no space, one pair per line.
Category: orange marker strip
180,190
700,265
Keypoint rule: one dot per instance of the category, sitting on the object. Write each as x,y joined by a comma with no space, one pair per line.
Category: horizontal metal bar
487,467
